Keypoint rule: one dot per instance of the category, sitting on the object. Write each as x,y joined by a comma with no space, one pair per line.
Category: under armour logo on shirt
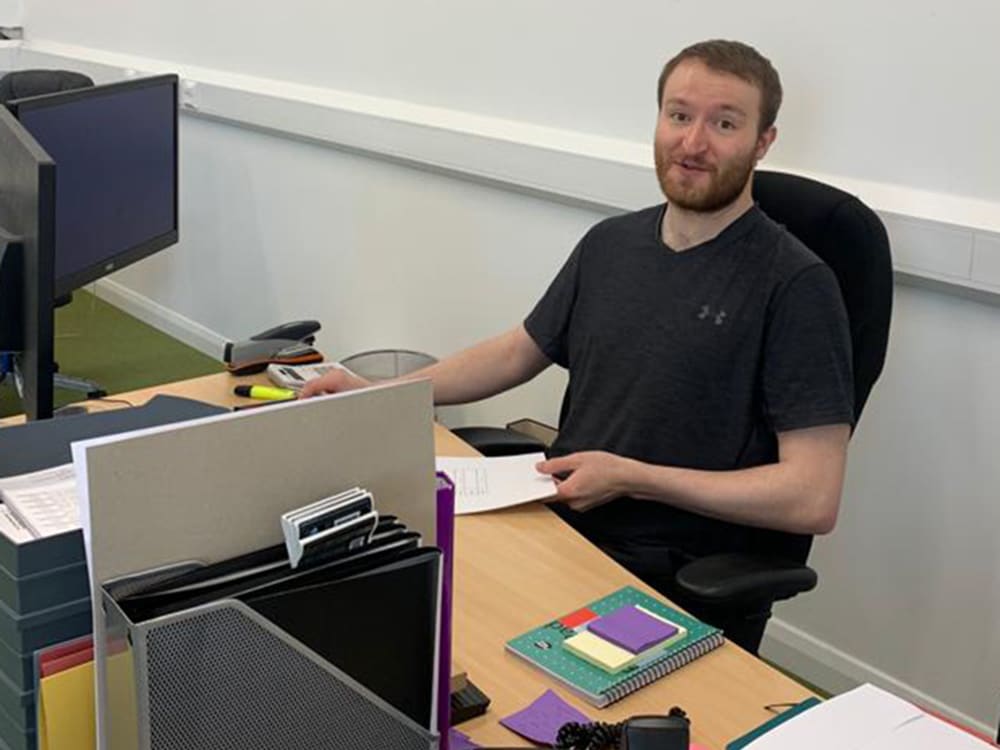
718,317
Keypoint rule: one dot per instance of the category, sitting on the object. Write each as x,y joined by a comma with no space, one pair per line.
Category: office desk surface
518,568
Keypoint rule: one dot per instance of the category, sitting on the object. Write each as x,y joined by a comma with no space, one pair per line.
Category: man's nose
695,137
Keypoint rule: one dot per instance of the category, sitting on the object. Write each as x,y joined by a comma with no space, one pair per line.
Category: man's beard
722,189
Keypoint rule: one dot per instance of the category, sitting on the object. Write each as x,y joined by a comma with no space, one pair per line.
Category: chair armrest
733,579
498,441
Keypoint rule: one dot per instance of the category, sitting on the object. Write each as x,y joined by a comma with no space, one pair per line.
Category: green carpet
97,341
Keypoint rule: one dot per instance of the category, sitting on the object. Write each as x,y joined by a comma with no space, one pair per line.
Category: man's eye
679,116
727,125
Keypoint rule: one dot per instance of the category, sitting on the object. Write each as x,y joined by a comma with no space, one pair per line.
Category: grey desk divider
215,488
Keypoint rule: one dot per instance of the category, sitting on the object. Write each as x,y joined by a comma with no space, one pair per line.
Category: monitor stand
82,385
67,382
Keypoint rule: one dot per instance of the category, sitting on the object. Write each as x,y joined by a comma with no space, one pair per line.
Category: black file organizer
221,676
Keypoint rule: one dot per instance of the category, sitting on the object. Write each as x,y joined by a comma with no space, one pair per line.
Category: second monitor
115,149
111,152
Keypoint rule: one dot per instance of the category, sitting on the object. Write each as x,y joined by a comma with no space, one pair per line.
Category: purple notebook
632,629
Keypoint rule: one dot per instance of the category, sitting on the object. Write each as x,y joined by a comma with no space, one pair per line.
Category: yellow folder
66,705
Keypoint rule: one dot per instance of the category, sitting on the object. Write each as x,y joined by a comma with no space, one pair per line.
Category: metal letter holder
219,676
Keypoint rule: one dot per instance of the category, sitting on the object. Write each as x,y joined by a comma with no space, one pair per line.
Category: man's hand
588,479
335,381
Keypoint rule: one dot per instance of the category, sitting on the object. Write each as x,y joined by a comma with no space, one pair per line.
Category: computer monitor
27,217
116,190
88,185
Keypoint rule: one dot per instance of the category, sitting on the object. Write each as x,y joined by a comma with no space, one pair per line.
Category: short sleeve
549,322
807,379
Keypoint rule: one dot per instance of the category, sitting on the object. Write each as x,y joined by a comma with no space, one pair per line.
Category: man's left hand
587,479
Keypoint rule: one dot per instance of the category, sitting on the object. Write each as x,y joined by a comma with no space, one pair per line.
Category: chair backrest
22,83
851,239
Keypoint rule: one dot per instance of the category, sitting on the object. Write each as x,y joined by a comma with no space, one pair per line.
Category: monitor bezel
66,284
33,215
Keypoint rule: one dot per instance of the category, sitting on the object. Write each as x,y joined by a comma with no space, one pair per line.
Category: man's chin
705,199
689,200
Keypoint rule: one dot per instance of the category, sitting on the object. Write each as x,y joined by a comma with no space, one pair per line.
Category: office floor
98,341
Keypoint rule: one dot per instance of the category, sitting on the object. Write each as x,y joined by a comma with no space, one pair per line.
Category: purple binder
446,543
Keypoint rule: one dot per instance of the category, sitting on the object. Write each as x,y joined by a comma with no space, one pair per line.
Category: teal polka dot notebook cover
543,647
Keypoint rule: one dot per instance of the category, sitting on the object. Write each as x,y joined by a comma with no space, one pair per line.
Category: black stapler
287,344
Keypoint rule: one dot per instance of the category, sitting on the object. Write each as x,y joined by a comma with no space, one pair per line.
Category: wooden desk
518,568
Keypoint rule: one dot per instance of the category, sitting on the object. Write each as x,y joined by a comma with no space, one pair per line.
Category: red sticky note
577,618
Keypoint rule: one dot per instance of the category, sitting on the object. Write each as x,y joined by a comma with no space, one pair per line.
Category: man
709,401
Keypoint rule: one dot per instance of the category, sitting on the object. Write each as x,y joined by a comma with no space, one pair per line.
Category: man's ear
764,141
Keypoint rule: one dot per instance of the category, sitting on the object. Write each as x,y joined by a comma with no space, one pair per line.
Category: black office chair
735,589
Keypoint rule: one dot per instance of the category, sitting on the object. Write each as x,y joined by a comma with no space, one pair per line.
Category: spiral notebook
596,676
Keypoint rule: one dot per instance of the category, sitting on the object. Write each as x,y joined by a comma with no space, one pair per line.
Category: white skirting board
162,318
834,671
8,54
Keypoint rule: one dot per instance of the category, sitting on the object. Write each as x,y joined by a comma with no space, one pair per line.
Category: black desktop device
27,215
88,185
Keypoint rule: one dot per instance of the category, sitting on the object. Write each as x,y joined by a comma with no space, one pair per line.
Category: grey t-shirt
694,359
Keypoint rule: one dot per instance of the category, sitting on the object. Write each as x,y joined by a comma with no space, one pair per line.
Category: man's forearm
774,496
485,369
800,493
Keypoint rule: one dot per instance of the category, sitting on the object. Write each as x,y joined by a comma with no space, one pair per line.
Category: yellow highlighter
264,392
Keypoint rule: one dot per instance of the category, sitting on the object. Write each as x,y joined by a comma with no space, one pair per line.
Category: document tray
220,676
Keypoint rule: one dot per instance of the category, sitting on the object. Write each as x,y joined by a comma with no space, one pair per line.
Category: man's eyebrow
733,109
677,101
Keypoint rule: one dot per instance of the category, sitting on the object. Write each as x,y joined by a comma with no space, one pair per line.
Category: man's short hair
734,58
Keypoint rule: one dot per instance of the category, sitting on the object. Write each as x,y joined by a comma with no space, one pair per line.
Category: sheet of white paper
44,501
12,528
927,733
483,484
847,722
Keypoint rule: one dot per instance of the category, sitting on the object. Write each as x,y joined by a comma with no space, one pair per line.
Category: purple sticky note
460,741
632,629
540,722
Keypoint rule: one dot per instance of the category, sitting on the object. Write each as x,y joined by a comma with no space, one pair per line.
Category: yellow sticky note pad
599,652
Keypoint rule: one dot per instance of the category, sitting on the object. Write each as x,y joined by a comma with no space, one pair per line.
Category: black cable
107,400
596,736
602,736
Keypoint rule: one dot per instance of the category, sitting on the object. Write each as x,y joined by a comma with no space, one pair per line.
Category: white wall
387,254
910,578
870,85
